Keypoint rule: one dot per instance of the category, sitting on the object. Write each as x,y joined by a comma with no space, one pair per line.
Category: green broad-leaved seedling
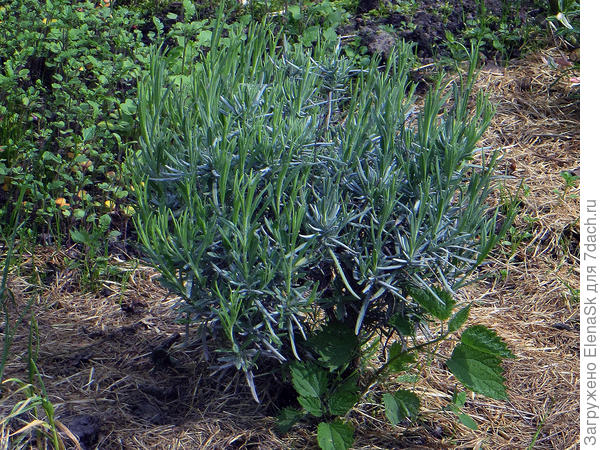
326,387
325,393
458,401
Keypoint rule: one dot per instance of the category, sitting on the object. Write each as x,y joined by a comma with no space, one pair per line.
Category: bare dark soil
427,26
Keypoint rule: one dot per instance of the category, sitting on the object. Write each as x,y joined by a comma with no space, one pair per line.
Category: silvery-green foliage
272,183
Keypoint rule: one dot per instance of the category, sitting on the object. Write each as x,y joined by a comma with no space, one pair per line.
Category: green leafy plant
315,21
67,75
94,264
327,388
564,20
564,25
504,35
458,401
515,237
289,198
570,183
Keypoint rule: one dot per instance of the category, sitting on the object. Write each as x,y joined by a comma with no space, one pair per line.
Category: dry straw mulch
119,374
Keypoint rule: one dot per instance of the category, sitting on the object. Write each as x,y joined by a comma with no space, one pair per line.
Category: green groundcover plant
306,212
67,73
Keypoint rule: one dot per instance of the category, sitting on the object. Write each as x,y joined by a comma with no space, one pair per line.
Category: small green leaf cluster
504,35
458,401
564,19
327,386
315,21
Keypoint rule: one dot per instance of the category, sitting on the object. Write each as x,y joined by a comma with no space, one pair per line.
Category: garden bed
120,373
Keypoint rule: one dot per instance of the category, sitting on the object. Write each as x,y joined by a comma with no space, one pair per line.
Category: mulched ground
121,375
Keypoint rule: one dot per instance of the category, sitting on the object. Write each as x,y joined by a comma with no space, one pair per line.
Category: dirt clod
86,428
